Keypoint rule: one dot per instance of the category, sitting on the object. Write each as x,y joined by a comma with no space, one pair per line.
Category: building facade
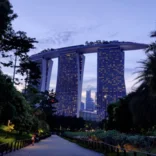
82,107
69,83
110,74
90,104
110,78
88,116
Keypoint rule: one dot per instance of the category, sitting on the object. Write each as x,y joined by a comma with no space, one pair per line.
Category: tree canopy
137,110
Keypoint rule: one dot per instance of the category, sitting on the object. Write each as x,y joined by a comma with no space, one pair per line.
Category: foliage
120,117
136,111
10,128
44,126
16,44
66,122
11,136
7,16
116,138
13,105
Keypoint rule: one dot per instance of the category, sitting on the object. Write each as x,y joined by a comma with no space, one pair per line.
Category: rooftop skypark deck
88,48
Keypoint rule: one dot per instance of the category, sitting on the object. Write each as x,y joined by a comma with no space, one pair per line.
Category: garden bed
128,142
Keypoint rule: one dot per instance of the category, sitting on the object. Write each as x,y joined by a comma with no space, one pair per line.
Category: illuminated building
88,115
69,83
110,78
110,74
82,107
90,104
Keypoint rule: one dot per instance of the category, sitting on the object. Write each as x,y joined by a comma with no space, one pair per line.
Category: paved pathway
54,146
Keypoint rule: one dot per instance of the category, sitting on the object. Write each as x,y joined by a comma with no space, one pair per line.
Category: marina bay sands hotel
71,60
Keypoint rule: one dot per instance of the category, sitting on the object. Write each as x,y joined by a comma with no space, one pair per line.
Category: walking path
54,146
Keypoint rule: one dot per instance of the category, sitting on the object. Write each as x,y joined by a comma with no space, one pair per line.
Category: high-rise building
88,115
95,100
69,83
110,74
110,78
82,106
90,104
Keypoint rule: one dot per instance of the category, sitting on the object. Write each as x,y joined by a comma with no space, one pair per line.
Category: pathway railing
10,147
107,148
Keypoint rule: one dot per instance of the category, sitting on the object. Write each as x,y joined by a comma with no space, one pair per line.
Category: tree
7,16
20,44
16,44
111,124
152,46
123,116
120,117
142,104
7,92
14,107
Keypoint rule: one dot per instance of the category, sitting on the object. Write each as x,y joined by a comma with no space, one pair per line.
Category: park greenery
30,111
135,113
130,120
15,107
121,140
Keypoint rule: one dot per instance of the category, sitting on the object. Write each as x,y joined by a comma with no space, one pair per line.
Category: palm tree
153,34
143,106
147,74
152,46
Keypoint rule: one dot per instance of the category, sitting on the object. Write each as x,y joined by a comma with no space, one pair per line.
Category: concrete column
81,61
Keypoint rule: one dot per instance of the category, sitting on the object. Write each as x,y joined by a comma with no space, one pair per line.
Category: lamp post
105,97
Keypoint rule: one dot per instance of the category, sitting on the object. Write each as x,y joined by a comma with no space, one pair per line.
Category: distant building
82,106
95,100
88,116
90,104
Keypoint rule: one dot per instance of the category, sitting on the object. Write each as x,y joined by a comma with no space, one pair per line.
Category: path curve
54,146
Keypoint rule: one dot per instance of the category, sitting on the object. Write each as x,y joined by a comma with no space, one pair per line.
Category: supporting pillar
81,62
46,69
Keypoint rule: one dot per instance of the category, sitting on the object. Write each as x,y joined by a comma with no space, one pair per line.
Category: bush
115,138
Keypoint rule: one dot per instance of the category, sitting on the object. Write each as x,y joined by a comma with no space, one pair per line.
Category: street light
105,97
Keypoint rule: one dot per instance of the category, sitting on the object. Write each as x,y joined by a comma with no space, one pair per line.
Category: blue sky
59,23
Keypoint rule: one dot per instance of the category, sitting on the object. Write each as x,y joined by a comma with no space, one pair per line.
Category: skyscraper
82,106
110,78
95,100
110,73
69,83
90,105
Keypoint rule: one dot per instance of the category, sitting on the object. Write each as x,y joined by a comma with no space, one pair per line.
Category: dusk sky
60,23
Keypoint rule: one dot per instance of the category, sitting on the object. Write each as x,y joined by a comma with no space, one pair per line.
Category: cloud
113,34
67,36
58,38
